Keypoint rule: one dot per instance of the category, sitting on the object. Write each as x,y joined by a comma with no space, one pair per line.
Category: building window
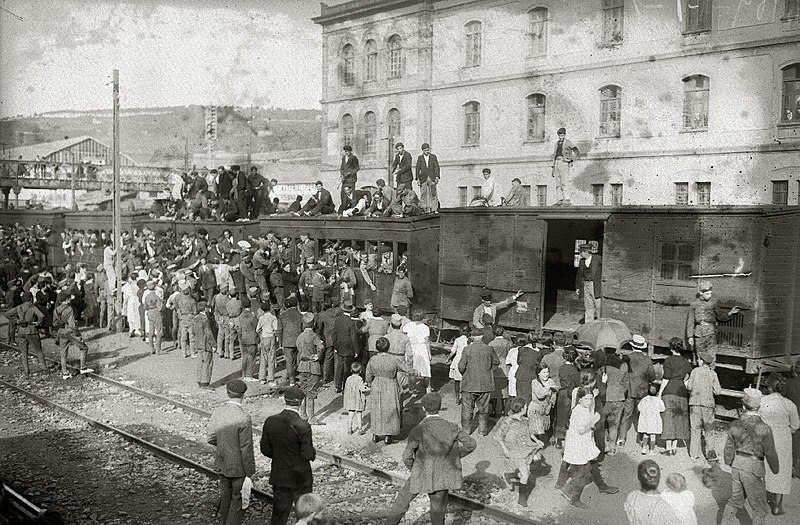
537,32
677,261
792,10
697,16
477,192
780,192
616,194
348,71
347,130
610,111
395,57
695,102
371,63
704,193
541,195
613,18
597,194
791,94
370,134
682,193
526,194
463,197
473,44
394,129
536,113
472,123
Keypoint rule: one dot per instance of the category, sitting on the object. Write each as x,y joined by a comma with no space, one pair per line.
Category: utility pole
250,141
116,187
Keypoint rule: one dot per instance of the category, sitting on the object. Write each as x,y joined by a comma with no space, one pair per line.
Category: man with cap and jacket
400,347
348,169
564,155
310,351
433,455
287,440
701,321
68,334
186,308
640,374
153,303
428,177
487,307
219,307
477,382
290,324
703,385
749,443
27,318
401,167
248,340
234,310
230,430
345,345
203,344
587,282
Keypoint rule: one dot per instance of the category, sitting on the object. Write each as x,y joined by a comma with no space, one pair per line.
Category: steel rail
158,451
490,511
22,506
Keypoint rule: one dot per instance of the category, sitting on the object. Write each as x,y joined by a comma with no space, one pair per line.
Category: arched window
472,44
348,63
394,129
536,113
370,134
472,123
371,61
790,107
395,56
347,130
610,111
537,31
695,102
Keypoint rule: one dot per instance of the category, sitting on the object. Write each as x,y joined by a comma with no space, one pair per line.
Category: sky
59,54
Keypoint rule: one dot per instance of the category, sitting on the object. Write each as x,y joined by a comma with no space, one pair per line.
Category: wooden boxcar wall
239,230
500,250
779,315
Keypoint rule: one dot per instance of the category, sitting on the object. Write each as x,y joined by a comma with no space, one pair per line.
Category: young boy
519,446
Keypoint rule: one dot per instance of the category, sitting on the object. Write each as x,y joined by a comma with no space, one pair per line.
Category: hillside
163,136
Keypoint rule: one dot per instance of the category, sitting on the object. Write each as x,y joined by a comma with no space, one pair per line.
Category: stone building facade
669,102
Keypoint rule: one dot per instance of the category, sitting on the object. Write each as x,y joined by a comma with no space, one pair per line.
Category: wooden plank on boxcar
525,269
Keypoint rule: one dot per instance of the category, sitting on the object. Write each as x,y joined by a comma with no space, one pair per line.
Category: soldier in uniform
310,352
153,303
749,443
701,323
13,299
248,340
219,307
234,309
27,317
186,308
260,264
68,335
203,339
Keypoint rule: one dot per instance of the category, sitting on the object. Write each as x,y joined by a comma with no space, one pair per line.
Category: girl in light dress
650,424
459,345
355,398
520,446
680,499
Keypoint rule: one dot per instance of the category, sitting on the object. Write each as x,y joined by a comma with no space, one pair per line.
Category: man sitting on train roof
379,202
354,202
487,307
320,203
405,204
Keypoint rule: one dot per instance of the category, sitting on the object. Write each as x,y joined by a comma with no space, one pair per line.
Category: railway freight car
384,241
653,259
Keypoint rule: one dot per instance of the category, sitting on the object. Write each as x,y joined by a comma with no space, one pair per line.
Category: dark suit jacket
230,430
476,365
433,454
404,174
345,340
349,169
324,204
351,201
640,374
596,269
379,204
430,171
286,439
290,324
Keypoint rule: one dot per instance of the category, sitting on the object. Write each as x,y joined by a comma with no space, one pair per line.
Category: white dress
579,446
131,299
511,361
417,333
781,415
458,347
650,409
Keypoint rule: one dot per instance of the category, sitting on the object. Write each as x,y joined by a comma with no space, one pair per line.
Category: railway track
467,504
18,506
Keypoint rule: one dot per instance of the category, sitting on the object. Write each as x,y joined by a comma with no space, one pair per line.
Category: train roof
604,212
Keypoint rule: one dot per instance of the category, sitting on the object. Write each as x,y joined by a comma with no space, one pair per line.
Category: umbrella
602,333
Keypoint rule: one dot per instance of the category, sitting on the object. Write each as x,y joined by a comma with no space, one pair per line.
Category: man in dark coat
27,318
239,192
640,374
290,324
477,382
401,167
321,203
587,282
428,177
433,455
345,345
287,440
224,184
348,169
204,344
230,430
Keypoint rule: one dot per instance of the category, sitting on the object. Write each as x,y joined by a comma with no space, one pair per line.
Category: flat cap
431,402
237,387
705,286
293,396
396,320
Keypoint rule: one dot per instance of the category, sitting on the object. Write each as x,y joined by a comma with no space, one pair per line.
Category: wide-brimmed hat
638,342
244,245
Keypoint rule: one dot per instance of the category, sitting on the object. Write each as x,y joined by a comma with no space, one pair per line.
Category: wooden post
116,205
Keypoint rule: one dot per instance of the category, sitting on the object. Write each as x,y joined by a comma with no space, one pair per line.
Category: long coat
384,396
433,454
287,439
477,361
640,374
230,431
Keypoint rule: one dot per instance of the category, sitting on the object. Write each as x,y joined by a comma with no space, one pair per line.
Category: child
308,507
355,397
519,446
459,345
680,500
650,409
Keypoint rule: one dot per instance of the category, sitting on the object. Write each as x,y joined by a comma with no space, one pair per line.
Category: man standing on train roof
428,177
348,169
401,167
701,322
563,157
487,307
587,282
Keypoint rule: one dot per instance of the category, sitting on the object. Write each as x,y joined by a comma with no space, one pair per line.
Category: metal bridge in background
65,176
